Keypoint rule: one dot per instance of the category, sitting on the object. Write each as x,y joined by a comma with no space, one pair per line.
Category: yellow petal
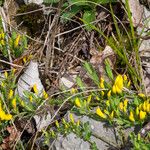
71,118
125,102
142,115
114,89
77,102
129,83
100,113
112,115
121,105
102,83
102,93
14,103
108,103
6,74
124,77
16,43
109,94
89,99
131,117
57,124
137,111
119,82
35,89
141,95
10,95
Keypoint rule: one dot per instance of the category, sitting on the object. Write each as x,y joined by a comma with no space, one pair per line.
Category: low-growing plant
14,43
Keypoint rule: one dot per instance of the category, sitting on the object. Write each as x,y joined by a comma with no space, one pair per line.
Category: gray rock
71,142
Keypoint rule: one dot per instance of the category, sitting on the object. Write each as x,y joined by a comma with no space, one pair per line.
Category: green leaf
88,17
108,69
51,1
91,72
80,83
69,14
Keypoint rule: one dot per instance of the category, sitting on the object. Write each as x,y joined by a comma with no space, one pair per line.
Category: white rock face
33,1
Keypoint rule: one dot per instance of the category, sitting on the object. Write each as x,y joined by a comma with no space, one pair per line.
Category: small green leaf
108,69
91,72
88,17
80,83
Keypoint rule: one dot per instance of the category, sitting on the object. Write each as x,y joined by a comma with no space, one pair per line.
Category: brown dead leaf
9,140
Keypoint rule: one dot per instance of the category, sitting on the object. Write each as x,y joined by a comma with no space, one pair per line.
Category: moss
33,21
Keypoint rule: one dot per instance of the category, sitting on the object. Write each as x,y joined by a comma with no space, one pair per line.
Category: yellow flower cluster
104,114
123,105
118,85
2,38
84,103
3,115
102,83
16,42
141,111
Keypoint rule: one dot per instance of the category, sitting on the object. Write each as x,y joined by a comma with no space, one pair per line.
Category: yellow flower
114,89
2,35
2,84
119,82
64,121
137,111
71,118
57,124
45,95
6,74
125,102
73,91
78,122
16,43
124,77
3,115
140,106
129,83
89,99
102,83
108,103
125,109
22,103
10,95
102,93
52,133
148,108
118,85
118,90
24,60
141,95
35,89
131,117
121,105
8,117
77,102
31,99
14,103
2,42
112,115
142,115
100,113
106,112
109,94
